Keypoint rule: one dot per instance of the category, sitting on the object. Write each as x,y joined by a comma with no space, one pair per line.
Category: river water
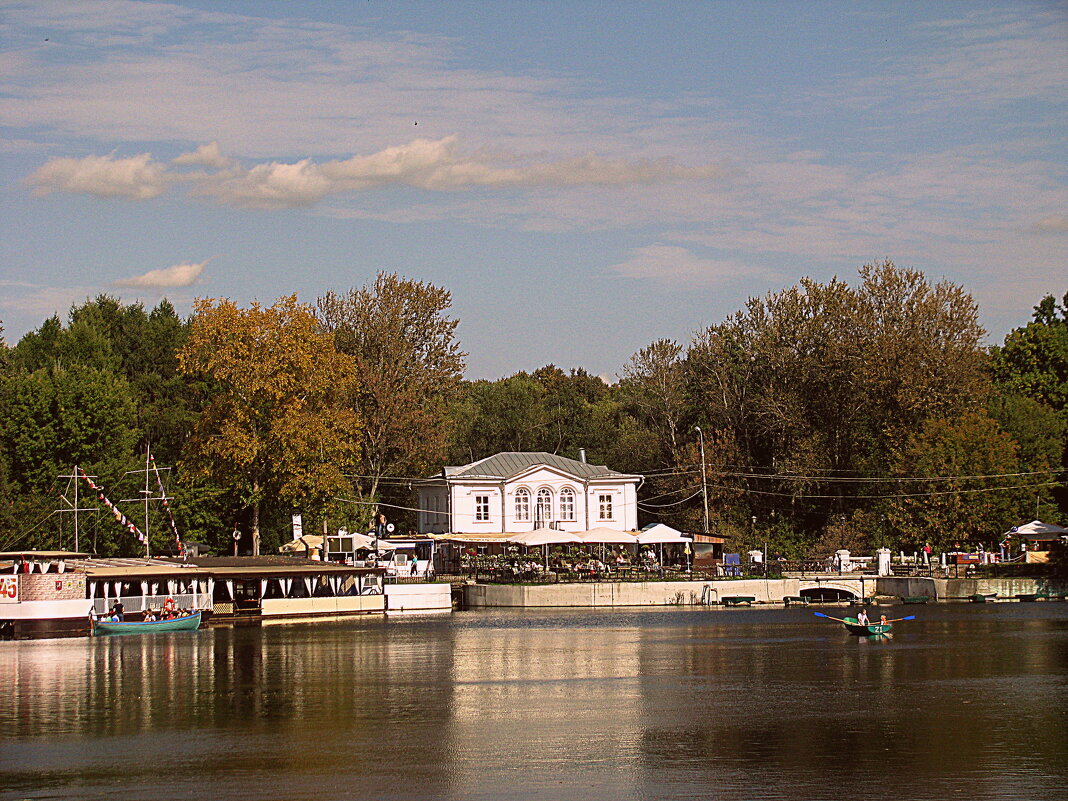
967,701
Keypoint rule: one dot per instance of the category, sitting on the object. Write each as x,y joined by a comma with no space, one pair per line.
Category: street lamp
704,482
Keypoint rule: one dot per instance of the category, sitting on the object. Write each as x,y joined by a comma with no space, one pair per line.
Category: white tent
360,540
544,536
660,533
303,544
1038,527
608,535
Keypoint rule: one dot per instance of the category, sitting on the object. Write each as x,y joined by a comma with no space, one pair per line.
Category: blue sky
584,177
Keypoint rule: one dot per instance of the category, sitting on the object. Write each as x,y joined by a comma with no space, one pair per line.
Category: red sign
9,589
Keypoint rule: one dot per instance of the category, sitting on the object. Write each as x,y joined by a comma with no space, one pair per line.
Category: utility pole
148,495
704,481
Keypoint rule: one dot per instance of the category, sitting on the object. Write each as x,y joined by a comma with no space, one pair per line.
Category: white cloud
137,177
25,305
207,155
177,275
676,265
434,165
1053,224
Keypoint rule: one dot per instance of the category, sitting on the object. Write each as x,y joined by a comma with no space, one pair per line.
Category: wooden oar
899,619
820,614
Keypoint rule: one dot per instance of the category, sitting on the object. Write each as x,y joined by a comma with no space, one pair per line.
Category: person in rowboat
862,618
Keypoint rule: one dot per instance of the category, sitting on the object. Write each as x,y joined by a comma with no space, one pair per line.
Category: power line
643,505
892,495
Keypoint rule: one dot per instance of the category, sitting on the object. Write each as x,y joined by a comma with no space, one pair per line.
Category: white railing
135,604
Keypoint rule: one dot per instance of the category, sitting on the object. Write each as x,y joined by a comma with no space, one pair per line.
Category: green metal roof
512,463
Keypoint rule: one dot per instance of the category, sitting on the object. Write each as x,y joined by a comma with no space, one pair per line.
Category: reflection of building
517,492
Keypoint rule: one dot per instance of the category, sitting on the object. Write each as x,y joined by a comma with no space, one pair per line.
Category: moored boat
186,623
983,597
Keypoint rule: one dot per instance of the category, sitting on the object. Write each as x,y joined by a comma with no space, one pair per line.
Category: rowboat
983,597
866,629
914,599
187,623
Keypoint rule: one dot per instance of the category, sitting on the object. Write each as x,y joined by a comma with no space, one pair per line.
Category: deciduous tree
279,424
409,363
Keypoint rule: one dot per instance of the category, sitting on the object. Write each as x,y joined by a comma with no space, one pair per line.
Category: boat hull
187,623
867,630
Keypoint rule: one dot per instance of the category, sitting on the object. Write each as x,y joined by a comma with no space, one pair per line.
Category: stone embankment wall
763,591
652,593
962,589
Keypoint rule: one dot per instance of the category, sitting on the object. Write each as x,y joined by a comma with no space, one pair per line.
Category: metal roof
511,463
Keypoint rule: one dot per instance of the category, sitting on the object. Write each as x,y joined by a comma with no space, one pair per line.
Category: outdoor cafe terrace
549,555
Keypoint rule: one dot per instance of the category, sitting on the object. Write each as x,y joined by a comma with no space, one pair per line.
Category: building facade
519,491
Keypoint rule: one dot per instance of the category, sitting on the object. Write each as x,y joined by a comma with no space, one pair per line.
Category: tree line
821,416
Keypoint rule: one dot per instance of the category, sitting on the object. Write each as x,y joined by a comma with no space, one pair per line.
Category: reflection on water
968,701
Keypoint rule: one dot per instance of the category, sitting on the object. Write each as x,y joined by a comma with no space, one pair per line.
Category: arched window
543,513
522,504
567,504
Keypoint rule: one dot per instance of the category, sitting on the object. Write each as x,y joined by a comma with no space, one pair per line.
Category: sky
584,177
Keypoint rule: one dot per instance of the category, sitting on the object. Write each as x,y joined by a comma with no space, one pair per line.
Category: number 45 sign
9,589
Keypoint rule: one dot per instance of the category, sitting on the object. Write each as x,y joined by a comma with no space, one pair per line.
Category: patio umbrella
544,537
659,534
608,535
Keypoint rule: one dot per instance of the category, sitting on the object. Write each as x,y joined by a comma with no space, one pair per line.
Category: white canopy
544,536
360,540
1038,527
660,533
608,535
304,543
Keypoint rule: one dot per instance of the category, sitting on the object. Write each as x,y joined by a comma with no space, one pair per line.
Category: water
969,701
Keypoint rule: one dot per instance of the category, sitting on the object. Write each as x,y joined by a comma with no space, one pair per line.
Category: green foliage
964,510
1034,359
821,408
824,381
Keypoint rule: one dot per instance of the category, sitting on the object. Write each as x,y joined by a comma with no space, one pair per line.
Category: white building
514,492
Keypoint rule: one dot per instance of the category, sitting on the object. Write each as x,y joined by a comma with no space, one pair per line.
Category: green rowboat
187,623
868,630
